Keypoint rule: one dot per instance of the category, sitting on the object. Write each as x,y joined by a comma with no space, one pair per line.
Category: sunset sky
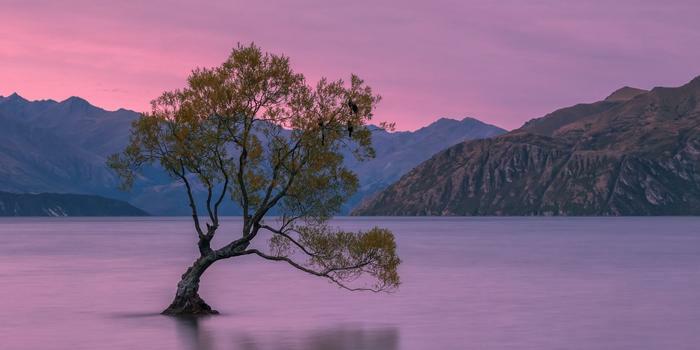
503,62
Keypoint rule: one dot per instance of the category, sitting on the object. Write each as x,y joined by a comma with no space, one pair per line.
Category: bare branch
291,239
195,217
209,186
325,274
222,168
242,161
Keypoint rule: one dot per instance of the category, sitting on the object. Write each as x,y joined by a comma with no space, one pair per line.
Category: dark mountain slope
634,156
54,204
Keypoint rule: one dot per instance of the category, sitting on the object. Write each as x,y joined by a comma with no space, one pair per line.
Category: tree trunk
187,300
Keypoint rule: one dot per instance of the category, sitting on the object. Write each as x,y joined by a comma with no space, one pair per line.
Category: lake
468,283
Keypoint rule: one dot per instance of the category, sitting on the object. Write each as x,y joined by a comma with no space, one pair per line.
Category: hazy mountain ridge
51,146
399,152
637,153
56,204
63,143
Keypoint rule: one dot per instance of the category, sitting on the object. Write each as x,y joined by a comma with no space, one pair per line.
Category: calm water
473,283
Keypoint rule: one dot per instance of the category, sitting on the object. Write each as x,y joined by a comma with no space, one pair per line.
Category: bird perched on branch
355,110
353,106
323,132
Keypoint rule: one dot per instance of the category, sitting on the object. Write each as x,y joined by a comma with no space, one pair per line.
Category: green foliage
344,256
254,131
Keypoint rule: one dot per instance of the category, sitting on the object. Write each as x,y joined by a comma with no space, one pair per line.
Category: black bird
350,129
353,107
323,133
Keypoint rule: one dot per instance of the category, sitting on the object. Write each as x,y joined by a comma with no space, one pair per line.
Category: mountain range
636,152
61,147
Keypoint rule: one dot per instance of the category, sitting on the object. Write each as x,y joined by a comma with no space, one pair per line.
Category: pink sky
503,62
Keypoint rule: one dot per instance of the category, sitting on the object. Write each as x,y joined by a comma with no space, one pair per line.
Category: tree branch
295,242
209,185
324,274
193,205
262,211
223,190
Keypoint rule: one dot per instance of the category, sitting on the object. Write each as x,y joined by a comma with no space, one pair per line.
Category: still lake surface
468,283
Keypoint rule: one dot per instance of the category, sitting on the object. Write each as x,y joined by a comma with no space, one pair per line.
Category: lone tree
254,132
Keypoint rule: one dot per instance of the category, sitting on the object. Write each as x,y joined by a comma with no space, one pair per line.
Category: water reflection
192,334
339,338
195,335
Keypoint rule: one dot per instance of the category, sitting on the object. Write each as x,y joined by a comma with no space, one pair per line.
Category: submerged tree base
189,306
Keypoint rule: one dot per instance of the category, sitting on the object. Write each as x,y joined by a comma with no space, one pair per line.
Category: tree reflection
346,337
193,335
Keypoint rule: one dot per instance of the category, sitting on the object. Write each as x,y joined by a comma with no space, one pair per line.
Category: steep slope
637,155
50,146
54,204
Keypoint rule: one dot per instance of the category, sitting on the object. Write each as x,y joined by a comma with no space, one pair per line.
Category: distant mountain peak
624,94
448,120
16,97
445,120
76,100
78,103
471,120
14,100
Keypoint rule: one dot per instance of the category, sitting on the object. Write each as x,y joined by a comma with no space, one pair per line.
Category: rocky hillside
50,146
55,204
635,153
